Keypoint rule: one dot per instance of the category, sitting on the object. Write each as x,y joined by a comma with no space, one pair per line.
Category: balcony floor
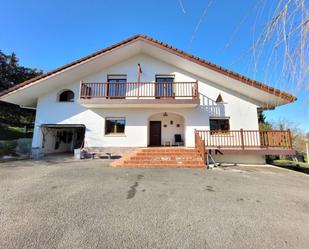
138,103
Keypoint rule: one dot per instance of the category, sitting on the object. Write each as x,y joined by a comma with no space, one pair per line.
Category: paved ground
90,205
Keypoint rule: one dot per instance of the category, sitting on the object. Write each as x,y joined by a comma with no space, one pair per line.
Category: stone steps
164,158
167,154
160,166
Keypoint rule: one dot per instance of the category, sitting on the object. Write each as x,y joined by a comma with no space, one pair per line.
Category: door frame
149,133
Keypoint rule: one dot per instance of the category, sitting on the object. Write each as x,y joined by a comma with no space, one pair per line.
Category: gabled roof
283,95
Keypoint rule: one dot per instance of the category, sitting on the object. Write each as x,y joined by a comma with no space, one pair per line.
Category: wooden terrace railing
200,145
246,139
184,90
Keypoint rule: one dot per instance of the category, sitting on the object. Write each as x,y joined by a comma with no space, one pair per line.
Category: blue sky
47,34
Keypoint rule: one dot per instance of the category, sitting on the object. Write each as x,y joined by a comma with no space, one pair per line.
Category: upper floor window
66,96
219,124
165,87
116,87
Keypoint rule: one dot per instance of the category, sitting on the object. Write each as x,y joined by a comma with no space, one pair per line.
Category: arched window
66,96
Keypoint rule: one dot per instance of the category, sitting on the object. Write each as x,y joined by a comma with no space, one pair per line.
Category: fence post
195,138
242,139
204,151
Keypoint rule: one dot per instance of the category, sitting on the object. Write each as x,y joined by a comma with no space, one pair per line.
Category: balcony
139,94
244,142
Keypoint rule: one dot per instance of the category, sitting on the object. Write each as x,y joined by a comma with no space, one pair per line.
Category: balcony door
164,86
116,87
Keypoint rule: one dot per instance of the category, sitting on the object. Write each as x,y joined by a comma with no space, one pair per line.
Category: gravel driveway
87,204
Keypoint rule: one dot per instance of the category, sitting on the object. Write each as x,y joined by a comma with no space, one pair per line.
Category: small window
114,125
66,96
219,124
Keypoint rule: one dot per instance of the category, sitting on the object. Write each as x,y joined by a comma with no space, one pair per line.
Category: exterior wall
242,113
239,159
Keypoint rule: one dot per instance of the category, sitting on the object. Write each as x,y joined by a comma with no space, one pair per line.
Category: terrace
244,142
133,94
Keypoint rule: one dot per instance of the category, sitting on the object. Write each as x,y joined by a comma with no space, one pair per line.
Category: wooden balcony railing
127,90
246,139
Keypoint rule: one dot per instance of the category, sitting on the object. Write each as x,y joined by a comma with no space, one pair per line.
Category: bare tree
282,43
298,135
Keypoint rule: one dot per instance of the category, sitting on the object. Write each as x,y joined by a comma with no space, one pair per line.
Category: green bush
10,133
8,148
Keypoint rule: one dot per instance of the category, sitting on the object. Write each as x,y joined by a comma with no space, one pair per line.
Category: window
116,87
66,96
114,125
164,86
219,124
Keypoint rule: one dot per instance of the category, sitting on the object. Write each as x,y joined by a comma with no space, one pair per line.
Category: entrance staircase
163,157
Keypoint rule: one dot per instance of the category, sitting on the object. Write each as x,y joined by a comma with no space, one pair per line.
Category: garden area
15,142
293,165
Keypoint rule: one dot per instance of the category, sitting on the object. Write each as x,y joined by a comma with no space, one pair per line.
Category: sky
48,34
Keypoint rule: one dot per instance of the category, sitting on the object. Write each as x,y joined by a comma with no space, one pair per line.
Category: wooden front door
155,133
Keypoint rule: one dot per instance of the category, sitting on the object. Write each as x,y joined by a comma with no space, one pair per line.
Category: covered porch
166,129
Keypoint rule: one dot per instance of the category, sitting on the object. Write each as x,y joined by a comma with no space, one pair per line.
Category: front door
155,133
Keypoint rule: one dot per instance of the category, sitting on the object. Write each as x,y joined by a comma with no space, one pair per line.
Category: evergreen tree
11,73
263,124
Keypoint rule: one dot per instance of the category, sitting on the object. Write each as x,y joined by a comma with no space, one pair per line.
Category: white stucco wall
242,113
239,159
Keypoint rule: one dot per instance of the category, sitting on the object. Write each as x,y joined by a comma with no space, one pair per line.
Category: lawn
286,163
10,133
297,166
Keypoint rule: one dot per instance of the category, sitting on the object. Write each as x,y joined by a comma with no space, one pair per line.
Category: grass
286,163
10,133
297,166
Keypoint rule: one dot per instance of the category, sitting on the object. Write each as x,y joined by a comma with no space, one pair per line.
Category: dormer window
66,96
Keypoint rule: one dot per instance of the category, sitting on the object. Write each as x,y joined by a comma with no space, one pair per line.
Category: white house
142,92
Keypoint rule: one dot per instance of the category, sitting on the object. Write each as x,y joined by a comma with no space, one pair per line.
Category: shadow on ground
301,169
